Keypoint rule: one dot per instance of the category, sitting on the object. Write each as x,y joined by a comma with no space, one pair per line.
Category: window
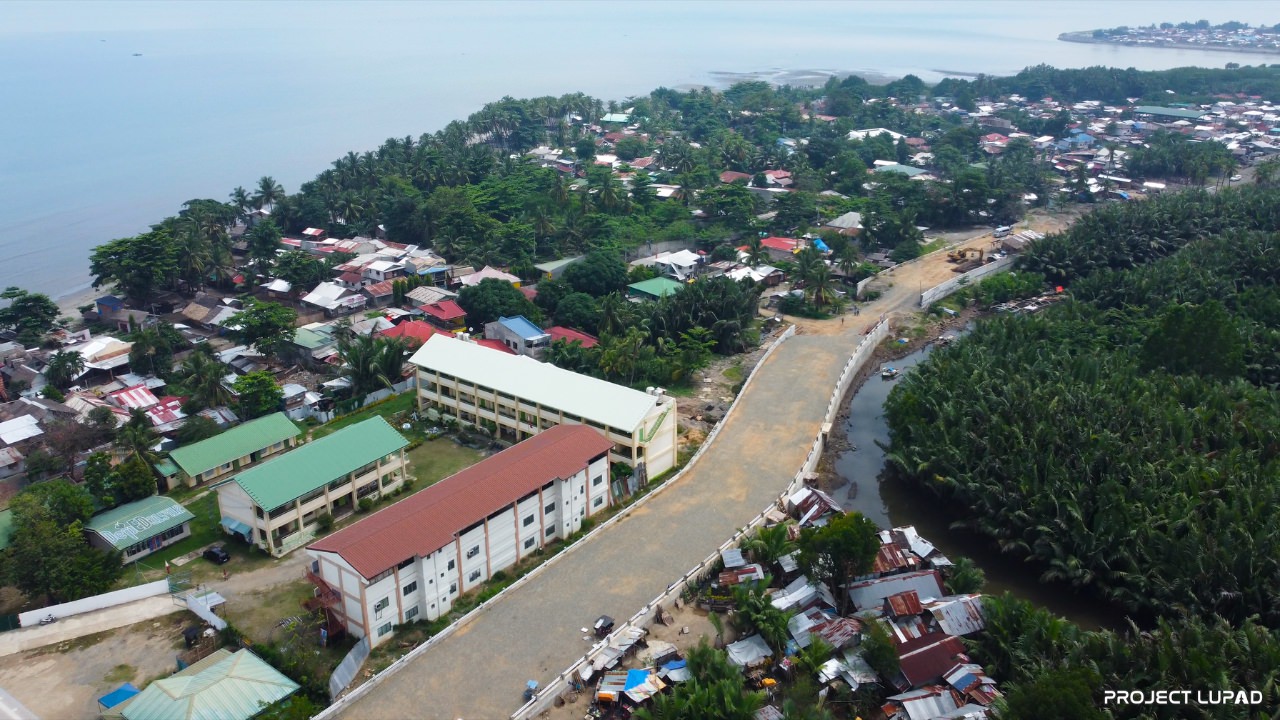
475,575
473,552
551,531
595,481
528,543
451,564
411,588
405,564
550,508
597,502
528,521
384,629
382,604
411,613
453,589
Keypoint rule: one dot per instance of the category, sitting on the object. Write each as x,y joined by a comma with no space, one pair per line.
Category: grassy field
434,460
394,405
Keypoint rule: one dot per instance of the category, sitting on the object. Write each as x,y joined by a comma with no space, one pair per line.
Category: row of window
468,393
155,541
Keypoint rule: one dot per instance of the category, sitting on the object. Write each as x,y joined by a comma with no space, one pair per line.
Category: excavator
966,259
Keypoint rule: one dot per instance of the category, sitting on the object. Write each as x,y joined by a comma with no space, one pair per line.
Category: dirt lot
63,682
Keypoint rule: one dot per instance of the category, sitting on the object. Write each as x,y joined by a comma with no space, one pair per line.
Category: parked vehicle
530,689
603,626
1002,231
217,555
48,620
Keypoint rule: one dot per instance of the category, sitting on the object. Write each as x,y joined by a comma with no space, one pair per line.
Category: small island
1200,35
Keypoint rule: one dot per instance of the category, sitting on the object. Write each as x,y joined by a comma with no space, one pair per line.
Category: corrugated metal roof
303,469
138,396
425,522
18,429
136,521
235,686
870,594
235,443
891,558
904,604
958,614
925,659
547,385
925,703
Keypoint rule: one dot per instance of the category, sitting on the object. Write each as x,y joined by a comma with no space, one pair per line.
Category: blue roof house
520,335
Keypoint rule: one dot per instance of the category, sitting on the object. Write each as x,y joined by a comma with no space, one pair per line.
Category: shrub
366,504
324,523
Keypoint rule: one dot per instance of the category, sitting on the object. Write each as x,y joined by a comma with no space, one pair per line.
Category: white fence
937,292
97,602
347,669
696,575
342,703
202,606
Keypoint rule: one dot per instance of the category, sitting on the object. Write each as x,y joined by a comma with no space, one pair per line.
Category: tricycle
530,689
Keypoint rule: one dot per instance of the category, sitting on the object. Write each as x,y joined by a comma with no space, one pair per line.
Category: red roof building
571,336
729,176
782,244
495,345
415,332
926,658
447,314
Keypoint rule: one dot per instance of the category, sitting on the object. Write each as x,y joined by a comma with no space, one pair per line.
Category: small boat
889,373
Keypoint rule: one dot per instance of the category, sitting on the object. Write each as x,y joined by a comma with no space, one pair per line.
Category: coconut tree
769,544
757,254
136,438
820,287
63,368
202,376
269,193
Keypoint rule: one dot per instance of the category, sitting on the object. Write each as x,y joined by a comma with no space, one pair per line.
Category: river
116,113
867,490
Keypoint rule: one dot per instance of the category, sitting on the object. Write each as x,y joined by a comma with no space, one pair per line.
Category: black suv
217,555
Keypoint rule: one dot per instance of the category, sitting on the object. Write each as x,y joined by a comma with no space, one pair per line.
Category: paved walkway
75,626
534,633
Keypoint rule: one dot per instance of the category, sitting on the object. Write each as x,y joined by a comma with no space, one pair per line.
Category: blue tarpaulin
117,696
236,526
675,665
817,242
635,678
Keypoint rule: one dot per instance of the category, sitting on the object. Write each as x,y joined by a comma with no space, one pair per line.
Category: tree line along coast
822,188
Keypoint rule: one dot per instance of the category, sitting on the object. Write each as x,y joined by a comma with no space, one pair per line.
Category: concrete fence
347,669
698,573
344,702
937,292
97,602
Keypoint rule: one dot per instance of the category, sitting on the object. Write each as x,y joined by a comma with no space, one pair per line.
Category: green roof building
222,686
140,528
276,504
1167,113
653,288
907,170
235,449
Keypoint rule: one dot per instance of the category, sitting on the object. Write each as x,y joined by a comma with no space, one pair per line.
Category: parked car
217,555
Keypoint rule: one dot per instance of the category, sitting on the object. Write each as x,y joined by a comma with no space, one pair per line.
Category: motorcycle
48,620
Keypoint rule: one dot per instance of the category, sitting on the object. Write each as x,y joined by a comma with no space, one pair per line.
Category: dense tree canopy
30,315
48,555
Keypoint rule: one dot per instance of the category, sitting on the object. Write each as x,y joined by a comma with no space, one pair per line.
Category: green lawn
405,402
435,460
204,530
933,245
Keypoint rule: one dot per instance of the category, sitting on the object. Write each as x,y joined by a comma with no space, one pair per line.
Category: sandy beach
69,303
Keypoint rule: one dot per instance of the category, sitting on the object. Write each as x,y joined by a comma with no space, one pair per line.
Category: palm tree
136,438
202,376
63,368
269,193
769,544
372,362
757,255
821,287
808,261
242,202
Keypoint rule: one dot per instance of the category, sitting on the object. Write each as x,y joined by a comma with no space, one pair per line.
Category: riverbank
1087,38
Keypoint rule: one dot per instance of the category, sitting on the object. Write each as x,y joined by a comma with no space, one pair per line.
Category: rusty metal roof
957,614
904,604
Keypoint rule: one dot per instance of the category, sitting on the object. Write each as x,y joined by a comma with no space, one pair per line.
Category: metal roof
136,521
234,443
299,471
234,686
520,325
656,287
958,614
138,396
926,658
18,429
536,382
870,594
925,703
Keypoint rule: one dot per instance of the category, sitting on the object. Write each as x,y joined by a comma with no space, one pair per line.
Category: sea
112,114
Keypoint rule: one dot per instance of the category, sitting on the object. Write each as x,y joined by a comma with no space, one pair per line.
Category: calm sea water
98,142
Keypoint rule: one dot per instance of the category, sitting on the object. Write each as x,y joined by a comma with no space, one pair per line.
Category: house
136,397
849,224
554,269
571,336
925,703
413,559
489,273
909,171
107,305
414,332
680,265
426,295
732,176
874,132
334,299
957,614
103,353
140,528
447,315
380,271
12,462
225,685
924,659
871,594
653,288
781,248
276,504
524,397
236,449
519,334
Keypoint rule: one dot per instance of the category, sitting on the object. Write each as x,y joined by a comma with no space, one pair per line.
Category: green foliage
300,269
63,368
578,310
879,651
491,299
839,551
1004,287
754,613
258,394
266,325
597,274
132,480
49,556
1055,695
136,266
97,479
263,241
365,504
1173,155
965,577
196,428
153,349
30,315
714,691
1199,340
202,377
372,363
324,522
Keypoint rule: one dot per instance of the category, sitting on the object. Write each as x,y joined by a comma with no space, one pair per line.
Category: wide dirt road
535,632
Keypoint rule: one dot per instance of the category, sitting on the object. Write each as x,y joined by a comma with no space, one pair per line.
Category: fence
97,602
341,704
347,669
201,606
698,573
937,292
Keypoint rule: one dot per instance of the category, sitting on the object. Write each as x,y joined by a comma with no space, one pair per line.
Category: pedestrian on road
841,322
224,573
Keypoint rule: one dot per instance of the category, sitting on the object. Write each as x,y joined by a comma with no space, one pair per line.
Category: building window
551,531
528,543
451,564
411,588
475,575
453,589
528,521
405,564
383,630
382,604
595,481
473,552
411,613
550,508
598,502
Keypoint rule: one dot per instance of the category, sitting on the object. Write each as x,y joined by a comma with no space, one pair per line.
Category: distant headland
1236,37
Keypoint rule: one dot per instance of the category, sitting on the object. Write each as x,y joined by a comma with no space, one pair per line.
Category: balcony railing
325,596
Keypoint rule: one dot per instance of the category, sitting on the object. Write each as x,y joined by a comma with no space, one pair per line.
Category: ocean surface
113,114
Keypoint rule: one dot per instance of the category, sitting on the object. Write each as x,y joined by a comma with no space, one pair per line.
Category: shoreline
68,303
1086,38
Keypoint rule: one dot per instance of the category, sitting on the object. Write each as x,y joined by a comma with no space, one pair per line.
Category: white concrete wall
598,492
502,540
473,541
96,602
937,292
235,503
